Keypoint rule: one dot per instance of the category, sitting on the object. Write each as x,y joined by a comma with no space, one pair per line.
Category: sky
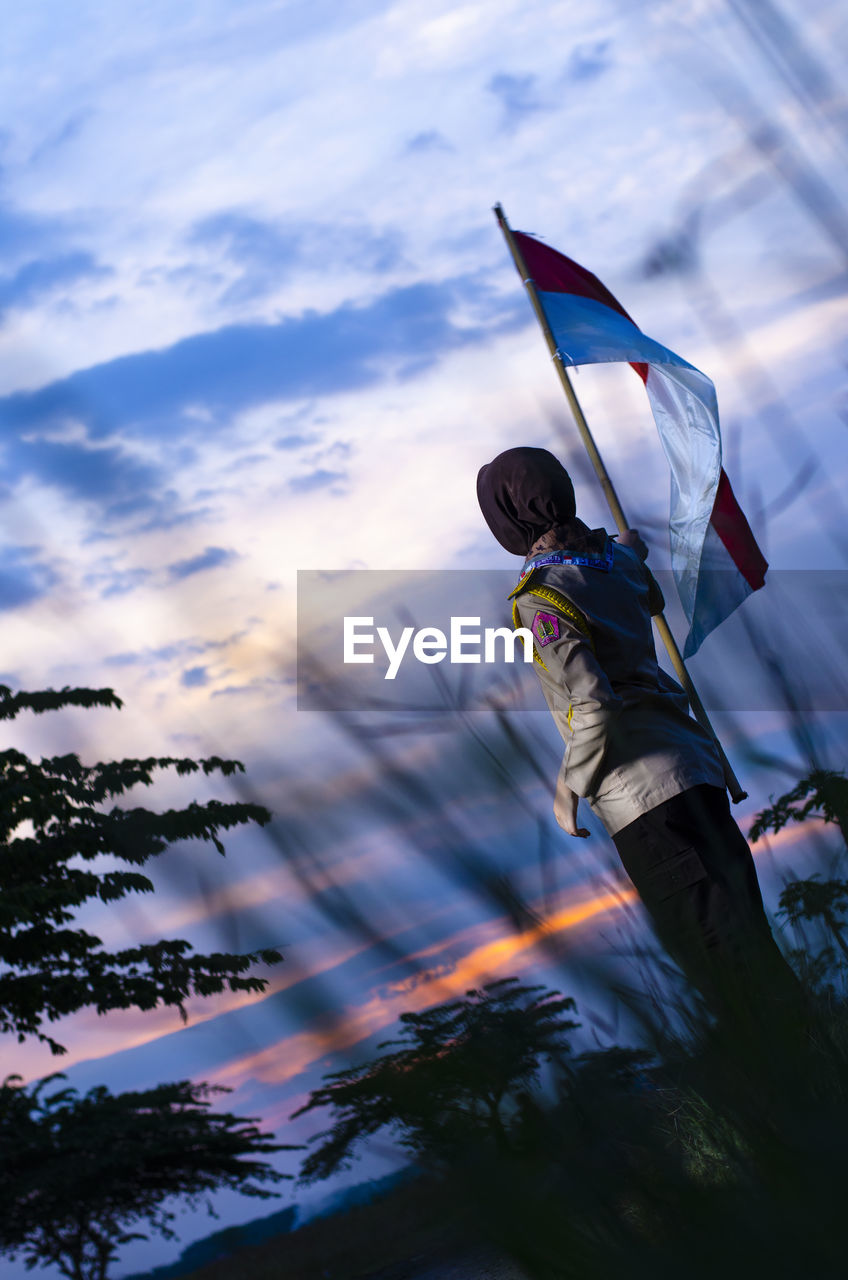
256,319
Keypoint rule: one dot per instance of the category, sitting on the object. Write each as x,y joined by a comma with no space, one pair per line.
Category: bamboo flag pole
698,709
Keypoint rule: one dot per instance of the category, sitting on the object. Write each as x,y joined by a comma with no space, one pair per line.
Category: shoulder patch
560,602
545,627
516,622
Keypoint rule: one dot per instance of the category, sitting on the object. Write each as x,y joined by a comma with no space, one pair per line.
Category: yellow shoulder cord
561,602
516,623
557,599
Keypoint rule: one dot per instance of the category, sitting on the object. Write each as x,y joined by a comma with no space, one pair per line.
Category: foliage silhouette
824,793
702,1150
458,1077
54,826
815,899
79,1172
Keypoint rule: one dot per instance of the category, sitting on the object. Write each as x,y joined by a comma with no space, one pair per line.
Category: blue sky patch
194,677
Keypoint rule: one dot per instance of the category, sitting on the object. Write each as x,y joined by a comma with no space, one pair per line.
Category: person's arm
565,807
632,539
580,696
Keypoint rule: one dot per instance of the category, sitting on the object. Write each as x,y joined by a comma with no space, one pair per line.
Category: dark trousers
694,872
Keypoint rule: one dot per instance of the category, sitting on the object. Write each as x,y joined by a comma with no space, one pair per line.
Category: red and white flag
714,556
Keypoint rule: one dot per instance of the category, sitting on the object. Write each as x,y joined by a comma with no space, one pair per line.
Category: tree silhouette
458,1075
79,1172
56,822
815,899
823,793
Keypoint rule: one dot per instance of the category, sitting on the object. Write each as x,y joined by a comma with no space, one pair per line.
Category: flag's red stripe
731,526
552,272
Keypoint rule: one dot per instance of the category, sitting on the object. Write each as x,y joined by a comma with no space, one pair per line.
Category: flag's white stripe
683,402
684,407
721,588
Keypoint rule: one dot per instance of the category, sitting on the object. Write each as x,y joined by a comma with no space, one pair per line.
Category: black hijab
523,494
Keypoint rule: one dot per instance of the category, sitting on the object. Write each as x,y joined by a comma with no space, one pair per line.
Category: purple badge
546,627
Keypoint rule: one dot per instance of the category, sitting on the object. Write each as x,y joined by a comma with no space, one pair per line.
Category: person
647,769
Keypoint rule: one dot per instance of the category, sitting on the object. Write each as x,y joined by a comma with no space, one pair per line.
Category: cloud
517,95
428,140
22,233
43,276
266,252
319,479
23,577
211,558
101,473
71,128
193,388
179,649
294,441
124,581
589,60
437,974
166,516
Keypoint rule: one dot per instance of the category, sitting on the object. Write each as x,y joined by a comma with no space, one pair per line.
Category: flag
714,556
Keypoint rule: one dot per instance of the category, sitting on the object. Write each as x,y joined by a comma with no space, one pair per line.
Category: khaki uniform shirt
630,742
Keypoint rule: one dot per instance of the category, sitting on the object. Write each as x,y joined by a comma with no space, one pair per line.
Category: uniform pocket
660,862
679,871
